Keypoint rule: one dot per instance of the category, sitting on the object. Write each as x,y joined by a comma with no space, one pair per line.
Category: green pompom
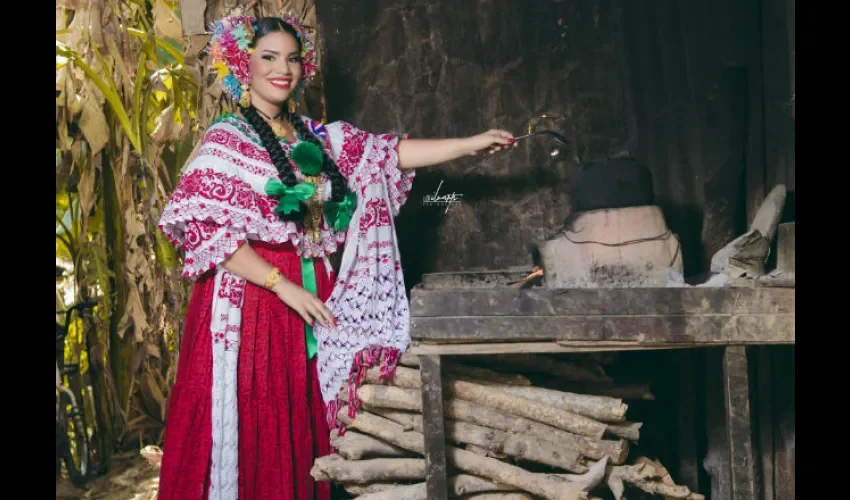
308,157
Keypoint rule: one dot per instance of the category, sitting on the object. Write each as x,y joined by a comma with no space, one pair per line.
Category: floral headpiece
230,51
308,47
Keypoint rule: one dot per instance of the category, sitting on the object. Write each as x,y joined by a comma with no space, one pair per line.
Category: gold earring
245,98
293,105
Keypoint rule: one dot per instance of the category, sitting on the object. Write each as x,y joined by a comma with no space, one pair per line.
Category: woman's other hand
307,305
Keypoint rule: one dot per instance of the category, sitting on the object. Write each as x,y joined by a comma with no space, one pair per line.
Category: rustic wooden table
477,313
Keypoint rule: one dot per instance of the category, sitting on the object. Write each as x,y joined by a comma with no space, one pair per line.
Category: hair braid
278,156
338,185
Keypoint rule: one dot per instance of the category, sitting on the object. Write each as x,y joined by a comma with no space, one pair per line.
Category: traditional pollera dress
256,389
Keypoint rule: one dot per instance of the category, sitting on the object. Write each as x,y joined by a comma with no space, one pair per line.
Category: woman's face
275,69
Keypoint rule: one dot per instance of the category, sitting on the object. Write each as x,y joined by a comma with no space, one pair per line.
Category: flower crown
230,51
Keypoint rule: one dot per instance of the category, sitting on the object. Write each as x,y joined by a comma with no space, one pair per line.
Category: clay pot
620,247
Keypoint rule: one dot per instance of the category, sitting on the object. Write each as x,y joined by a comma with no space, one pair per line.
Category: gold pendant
314,229
280,130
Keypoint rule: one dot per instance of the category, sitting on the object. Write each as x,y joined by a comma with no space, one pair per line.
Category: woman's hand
307,305
492,140
248,265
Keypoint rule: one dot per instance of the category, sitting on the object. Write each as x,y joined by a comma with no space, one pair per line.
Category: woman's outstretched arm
416,153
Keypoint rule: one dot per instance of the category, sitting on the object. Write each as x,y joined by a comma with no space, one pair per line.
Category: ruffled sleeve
365,158
212,209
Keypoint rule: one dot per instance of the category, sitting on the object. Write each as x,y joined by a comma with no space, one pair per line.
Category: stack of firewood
506,438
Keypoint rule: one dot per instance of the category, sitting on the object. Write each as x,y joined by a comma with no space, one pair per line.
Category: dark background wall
680,85
702,91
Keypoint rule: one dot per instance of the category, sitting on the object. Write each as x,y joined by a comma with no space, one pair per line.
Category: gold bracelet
272,278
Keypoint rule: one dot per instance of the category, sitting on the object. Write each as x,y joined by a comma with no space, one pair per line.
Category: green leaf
138,90
62,202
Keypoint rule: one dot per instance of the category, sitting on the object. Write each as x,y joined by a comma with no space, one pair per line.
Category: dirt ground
131,477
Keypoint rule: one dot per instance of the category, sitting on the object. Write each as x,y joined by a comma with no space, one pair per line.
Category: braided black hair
338,184
280,159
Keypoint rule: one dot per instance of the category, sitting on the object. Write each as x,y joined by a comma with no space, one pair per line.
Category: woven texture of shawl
369,300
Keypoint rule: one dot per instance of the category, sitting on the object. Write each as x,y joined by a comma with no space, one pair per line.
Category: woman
271,336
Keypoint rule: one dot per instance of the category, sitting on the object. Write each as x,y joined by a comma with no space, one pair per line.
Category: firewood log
356,446
498,496
484,452
625,430
387,396
384,430
410,399
339,470
403,492
503,473
463,460
602,408
492,420
408,359
589,480
524,407
407,378
663,475
410,378
516,445
576,424
407,420
641,476
484,375
458,409
620,391
465,484
366,489
459,485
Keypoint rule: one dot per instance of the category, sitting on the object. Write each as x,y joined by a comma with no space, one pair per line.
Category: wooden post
784,404
687,430
433,427
764,406
785,248
716,461
736,388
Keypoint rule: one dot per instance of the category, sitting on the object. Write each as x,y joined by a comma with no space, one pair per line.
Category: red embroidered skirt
282,425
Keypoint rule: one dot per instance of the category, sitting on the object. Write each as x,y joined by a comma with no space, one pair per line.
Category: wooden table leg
736,388
785,470
764,418
433,427
689,463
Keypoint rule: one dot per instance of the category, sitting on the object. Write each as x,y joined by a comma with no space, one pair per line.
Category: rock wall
680,87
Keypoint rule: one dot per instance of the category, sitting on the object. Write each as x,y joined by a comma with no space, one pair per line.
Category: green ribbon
308,277
289,198
339,213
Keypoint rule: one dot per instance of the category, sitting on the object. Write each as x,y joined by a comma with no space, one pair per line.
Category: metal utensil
558,137
555,151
